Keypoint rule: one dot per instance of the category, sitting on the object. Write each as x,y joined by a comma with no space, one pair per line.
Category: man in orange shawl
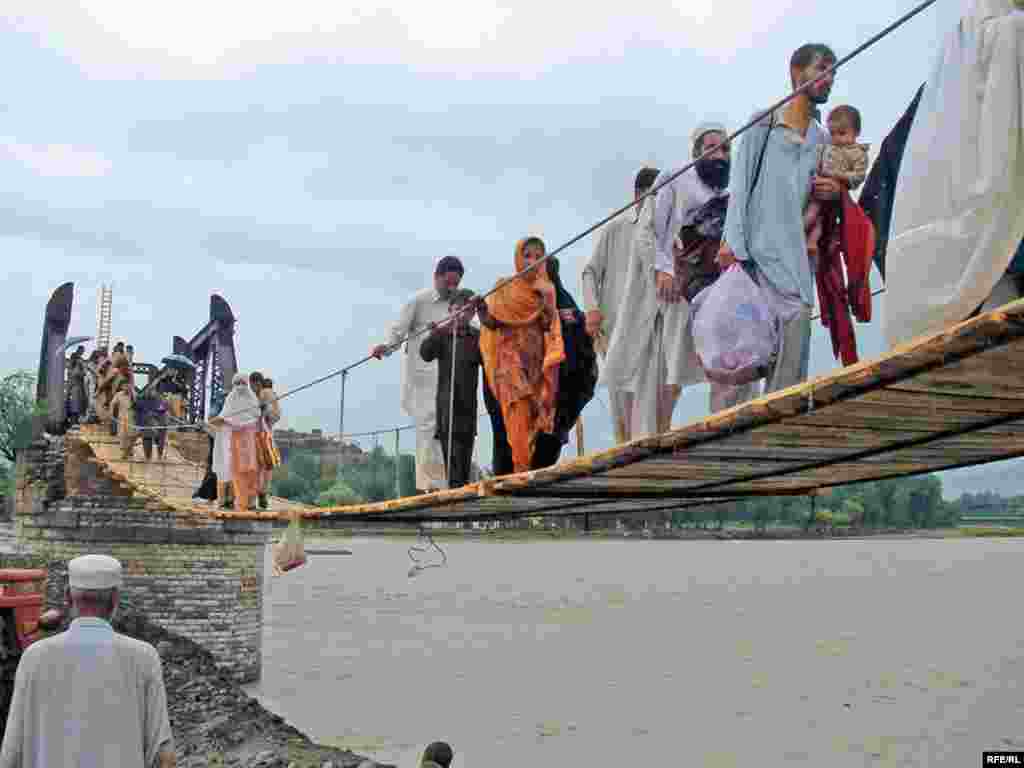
522,348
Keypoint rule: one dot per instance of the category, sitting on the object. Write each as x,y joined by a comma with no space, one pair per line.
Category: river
876,652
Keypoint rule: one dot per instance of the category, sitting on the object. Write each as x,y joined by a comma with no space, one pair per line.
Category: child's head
844,125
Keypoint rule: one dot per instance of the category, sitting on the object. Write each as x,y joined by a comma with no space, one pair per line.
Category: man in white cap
419,378
604,283
89,697
652,353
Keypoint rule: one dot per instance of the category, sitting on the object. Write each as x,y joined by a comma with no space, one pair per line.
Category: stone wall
197,576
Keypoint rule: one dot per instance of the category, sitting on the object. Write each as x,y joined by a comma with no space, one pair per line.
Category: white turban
708,126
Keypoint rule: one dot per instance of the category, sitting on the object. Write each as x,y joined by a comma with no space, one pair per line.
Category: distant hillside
1005,478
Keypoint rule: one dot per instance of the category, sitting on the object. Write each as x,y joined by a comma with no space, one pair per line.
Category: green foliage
6,482
17,408
292,486
339,494
301,478
899,503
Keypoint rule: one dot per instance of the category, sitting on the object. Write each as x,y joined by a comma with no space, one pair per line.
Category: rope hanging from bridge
652,191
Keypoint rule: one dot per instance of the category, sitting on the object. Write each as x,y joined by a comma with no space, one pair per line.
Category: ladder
104,305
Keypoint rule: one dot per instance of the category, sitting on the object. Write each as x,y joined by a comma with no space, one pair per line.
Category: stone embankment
214,722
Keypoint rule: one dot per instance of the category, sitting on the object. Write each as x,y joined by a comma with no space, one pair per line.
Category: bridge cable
619,211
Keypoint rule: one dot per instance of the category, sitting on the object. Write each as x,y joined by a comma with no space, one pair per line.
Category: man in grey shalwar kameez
604,283
419,378
652,353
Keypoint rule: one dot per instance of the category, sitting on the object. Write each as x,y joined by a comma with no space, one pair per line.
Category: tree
290,485
17,407
854,511
338,495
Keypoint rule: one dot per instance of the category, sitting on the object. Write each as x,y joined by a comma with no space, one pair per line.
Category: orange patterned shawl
521,359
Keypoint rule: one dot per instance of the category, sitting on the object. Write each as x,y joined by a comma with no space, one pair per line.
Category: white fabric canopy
958,211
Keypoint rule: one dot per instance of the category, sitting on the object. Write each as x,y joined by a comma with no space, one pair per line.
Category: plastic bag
735,331
290,552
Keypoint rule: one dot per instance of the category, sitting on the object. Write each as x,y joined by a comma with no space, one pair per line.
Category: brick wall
199,577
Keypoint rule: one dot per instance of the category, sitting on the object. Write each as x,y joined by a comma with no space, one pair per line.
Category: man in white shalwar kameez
958,209
89,697
419,378
604,283
652,353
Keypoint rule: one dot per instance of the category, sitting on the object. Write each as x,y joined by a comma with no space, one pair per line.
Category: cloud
56,160
229,38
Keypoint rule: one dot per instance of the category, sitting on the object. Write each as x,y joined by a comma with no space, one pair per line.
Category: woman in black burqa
208,489
577,376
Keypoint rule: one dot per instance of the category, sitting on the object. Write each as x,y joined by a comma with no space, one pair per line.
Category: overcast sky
310,160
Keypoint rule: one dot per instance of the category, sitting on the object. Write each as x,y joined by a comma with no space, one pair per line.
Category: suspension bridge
948,400
944,401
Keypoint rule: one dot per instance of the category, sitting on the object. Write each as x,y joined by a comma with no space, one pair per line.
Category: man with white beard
604,283
651,353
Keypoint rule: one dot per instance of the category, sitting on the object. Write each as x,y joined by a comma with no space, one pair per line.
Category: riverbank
318,537
214,722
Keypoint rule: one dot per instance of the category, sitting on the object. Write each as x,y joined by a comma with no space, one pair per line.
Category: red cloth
858,250
848,237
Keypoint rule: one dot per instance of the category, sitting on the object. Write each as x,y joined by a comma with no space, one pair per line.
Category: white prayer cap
94,572
707,127
239,379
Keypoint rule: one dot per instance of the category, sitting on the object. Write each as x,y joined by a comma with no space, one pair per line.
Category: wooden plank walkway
949,400
172,480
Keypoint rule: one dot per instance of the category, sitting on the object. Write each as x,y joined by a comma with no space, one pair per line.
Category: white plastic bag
290,552
735,331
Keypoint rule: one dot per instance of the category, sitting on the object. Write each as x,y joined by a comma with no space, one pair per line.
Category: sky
310,161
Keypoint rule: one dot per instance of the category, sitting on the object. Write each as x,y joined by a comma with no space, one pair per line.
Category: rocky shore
215,723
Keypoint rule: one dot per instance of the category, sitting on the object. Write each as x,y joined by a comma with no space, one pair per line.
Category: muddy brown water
610,653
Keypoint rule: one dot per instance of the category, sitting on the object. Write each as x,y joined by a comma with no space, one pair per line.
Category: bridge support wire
398,468
652,191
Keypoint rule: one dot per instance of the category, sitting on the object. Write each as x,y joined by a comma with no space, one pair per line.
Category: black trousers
547,451
462,458
501,464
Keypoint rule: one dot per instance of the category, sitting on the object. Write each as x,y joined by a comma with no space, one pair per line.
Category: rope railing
412,334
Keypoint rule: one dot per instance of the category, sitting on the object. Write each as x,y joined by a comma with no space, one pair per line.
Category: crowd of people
712,275
101,390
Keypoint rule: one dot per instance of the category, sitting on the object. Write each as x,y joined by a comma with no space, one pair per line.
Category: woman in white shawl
958,212
236,455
